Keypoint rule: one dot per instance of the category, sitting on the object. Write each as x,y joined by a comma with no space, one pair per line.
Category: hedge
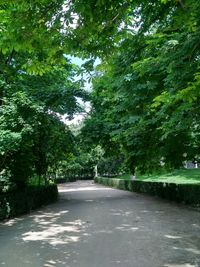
184,193
15,203
73,179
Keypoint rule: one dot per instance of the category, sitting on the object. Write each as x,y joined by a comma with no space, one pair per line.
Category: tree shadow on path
95,226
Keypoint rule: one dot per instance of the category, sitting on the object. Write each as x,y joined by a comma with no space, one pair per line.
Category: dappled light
98,226
192,250
126,227
99,92
12,222
173,237
53,233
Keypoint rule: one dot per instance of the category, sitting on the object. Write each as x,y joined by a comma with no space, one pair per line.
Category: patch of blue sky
79,62
87,86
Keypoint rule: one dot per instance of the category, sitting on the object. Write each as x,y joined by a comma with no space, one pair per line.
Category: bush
185,193
20,202
65,180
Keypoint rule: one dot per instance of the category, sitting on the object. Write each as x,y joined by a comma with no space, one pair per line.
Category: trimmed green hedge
15,203
185,193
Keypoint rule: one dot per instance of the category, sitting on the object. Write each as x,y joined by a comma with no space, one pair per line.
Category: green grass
182,176
124,177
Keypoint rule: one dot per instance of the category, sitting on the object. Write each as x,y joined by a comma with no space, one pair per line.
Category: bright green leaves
45,30
191,93
164,97
18,118
31,139
149,90
166,1
146,94
36,68
9,141
26,29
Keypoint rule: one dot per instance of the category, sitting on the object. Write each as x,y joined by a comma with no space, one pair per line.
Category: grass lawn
124,176
182,176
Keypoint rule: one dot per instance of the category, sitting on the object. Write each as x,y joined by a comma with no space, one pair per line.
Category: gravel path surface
96,226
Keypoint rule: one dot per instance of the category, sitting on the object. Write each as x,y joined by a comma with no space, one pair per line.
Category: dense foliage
145,100
33,138
18,202
146,95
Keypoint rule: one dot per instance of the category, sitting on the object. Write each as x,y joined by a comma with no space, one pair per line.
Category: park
100,133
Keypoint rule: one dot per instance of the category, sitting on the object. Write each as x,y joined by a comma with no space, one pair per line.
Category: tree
18,121
145,92
148,90
33,137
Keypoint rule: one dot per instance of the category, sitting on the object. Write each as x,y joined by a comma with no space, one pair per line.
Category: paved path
95,226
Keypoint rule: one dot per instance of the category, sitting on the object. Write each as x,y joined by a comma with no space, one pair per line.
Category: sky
87,86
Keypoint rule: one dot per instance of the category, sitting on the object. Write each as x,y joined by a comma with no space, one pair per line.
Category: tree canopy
145,96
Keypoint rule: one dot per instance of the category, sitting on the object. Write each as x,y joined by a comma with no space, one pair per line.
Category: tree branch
182,4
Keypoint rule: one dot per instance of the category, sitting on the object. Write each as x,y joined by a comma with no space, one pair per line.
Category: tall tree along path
96,226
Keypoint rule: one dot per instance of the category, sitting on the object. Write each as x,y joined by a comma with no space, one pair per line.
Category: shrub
15,203
185,193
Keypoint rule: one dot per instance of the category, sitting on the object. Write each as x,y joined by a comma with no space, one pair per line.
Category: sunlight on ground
11,222
53,263
123,228
193,250
52,233
173,236
196,225
78,189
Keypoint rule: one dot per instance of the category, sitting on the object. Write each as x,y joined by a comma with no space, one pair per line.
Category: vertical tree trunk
95,171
